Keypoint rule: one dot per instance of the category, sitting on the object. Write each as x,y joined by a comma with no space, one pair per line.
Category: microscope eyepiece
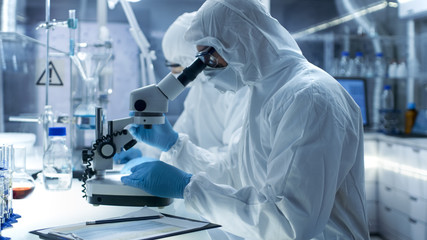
190,73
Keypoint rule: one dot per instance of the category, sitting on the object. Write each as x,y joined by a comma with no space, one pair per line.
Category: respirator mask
223,78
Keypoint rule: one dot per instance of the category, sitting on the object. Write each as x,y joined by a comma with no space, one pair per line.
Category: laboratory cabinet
371,182
400,178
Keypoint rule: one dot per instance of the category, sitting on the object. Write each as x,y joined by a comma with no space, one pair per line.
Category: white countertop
415,142
43,209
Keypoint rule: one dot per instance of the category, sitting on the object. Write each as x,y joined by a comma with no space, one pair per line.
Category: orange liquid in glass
22,192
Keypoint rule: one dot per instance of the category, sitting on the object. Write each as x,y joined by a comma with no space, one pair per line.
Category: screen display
357,89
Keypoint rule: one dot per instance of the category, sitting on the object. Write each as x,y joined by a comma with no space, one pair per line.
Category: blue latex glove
134,162
125,156
159,179
161,136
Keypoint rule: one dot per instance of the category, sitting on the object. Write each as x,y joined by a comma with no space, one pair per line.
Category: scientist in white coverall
297,170
210,118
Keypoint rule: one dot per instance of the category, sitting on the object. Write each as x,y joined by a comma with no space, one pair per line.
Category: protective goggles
171,65
206,55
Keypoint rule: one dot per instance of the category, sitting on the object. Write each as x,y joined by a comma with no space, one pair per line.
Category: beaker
85,112
22,183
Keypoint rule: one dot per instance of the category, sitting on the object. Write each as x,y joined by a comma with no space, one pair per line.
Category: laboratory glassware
57,165
2,203
22,183
410,116
7,217
343,65
359,68
90,61
388,113
7,166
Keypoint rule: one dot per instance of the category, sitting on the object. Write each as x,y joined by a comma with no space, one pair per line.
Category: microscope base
111,191
131,201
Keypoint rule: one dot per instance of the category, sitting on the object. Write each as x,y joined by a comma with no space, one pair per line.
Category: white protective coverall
209,117
296,171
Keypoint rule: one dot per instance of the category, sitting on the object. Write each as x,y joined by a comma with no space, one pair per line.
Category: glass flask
90,62
7,216
22,183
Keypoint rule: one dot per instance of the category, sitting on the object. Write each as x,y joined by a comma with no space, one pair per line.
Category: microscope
148,104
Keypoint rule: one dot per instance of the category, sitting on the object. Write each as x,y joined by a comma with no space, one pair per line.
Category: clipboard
82,229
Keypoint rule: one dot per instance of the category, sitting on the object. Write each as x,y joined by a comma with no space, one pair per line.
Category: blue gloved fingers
134,162
173,136
159,179
142,134
161,136
134,182
134,130
125,156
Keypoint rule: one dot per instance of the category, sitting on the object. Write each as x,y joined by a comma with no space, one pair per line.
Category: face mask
223,79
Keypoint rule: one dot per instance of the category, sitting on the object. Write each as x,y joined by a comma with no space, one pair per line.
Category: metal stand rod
47,50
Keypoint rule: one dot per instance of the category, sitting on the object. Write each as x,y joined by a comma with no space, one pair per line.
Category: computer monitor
356,87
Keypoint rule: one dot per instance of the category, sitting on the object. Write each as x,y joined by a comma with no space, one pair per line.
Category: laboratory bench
395,180
44,209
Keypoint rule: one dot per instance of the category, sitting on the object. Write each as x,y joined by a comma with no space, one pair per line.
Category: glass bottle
359,65
388,119
380,66
57,165
410,116
344,63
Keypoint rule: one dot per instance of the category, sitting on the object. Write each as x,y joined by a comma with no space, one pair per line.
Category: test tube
2,201
3,170
8,179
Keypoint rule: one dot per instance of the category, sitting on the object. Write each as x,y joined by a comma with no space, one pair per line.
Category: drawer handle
389,145
387,209
413,198
416,150
388,189
411,220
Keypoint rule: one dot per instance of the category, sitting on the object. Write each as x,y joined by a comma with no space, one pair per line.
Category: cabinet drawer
415,186
386,176
386,196
418,229
395,224
418,209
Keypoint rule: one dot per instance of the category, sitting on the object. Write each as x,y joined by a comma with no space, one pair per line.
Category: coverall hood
252,42
175,48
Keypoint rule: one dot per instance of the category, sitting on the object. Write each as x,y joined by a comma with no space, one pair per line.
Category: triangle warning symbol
54,78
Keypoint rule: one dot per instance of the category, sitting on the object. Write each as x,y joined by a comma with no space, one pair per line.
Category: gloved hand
161,136
134,162
125,156
159,179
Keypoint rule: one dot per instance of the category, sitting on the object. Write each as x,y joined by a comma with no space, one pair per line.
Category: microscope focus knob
107,149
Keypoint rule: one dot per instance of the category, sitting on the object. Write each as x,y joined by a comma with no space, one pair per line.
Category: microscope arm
106,146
